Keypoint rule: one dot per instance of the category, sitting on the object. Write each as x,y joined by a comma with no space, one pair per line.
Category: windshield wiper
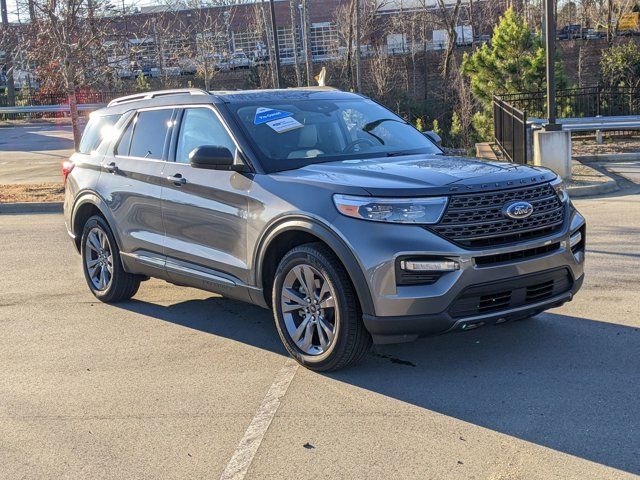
371,125
400,154
410,152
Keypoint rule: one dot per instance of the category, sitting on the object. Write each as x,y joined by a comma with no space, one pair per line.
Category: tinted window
149,134
125,140
201,126
97,129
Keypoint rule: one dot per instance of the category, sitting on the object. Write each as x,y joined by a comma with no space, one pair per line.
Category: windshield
292,134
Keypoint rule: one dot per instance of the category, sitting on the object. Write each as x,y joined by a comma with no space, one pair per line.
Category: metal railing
580,102
43,110
52,105
24,99
510,130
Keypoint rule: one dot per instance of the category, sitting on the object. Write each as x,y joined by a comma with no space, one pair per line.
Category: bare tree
382,74
293,7
209,42
450,18
308,57
346,33
65,47
7,44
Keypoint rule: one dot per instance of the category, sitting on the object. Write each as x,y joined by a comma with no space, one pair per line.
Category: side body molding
329,236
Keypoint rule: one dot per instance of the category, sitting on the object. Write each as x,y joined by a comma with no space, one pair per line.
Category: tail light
67,166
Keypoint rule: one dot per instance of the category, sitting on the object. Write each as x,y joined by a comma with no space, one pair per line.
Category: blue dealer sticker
264,115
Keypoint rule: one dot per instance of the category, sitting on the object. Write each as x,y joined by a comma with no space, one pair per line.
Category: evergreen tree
513,62
620,66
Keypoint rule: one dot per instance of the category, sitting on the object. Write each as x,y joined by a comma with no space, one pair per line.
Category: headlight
393,210
561,189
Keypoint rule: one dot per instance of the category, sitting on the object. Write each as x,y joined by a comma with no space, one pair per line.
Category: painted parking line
243,456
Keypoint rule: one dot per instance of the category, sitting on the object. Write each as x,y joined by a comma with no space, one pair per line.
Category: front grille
477,220
512,293
519,255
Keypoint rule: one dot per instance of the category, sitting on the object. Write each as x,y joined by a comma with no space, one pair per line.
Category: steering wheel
361,141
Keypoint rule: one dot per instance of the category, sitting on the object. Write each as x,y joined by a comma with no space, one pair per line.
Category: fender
329,236
91,197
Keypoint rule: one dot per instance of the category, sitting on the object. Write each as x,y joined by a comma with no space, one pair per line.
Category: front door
204,211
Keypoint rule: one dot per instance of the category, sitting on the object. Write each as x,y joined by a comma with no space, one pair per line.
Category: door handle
177,179
111,167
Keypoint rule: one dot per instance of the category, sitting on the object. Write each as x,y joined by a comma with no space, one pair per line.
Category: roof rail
158,93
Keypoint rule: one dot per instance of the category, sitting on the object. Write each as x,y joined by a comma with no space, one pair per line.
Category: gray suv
327,208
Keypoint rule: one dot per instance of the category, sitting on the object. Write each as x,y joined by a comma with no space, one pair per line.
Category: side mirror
214,157
433,136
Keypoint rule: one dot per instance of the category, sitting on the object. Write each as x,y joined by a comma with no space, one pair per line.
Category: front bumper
402,313
408,328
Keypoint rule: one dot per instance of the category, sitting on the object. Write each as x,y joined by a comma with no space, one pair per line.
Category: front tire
316,310
102,266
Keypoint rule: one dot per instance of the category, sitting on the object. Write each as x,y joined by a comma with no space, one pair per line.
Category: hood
419,175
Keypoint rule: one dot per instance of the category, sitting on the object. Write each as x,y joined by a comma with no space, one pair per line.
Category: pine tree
513,62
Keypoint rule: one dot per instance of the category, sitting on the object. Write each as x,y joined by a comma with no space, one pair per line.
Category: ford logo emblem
518,210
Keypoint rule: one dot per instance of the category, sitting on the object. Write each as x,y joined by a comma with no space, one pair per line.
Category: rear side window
98,128
149,134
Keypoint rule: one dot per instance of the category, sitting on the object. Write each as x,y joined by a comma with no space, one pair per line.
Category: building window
324,40
247,42
142,52
397,44
285,42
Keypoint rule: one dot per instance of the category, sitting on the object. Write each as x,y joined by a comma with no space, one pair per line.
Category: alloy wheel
309,309
98,259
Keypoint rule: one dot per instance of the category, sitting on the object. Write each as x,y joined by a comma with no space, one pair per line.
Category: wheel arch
293,231
86,206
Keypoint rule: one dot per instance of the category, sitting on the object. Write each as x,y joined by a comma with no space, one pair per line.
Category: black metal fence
580,102
510,129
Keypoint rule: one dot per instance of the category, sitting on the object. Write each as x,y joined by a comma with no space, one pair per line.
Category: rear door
204,211
131,185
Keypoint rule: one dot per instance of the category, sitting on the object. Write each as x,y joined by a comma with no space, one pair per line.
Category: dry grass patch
32,192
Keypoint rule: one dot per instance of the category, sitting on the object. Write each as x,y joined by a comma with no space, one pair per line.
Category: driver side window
201,126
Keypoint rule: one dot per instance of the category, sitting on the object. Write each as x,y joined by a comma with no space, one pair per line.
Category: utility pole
11,88
358,81
550,44
294,40
276,47
306,21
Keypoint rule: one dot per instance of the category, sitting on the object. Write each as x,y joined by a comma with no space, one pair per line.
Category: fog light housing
422,271
575,239
577,243
429,265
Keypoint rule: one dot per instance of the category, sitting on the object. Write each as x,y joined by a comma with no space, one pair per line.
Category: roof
196,95
300,93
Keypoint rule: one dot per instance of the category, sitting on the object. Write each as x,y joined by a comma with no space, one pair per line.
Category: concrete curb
591,190
608,157
31,207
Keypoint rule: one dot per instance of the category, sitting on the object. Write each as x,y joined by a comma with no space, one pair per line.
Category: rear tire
316,310
102,265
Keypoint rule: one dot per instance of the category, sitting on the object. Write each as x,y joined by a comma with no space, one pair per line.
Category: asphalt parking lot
32,153
167,385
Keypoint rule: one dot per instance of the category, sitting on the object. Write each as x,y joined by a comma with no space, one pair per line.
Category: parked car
570,32
239,60
590,34
324,206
